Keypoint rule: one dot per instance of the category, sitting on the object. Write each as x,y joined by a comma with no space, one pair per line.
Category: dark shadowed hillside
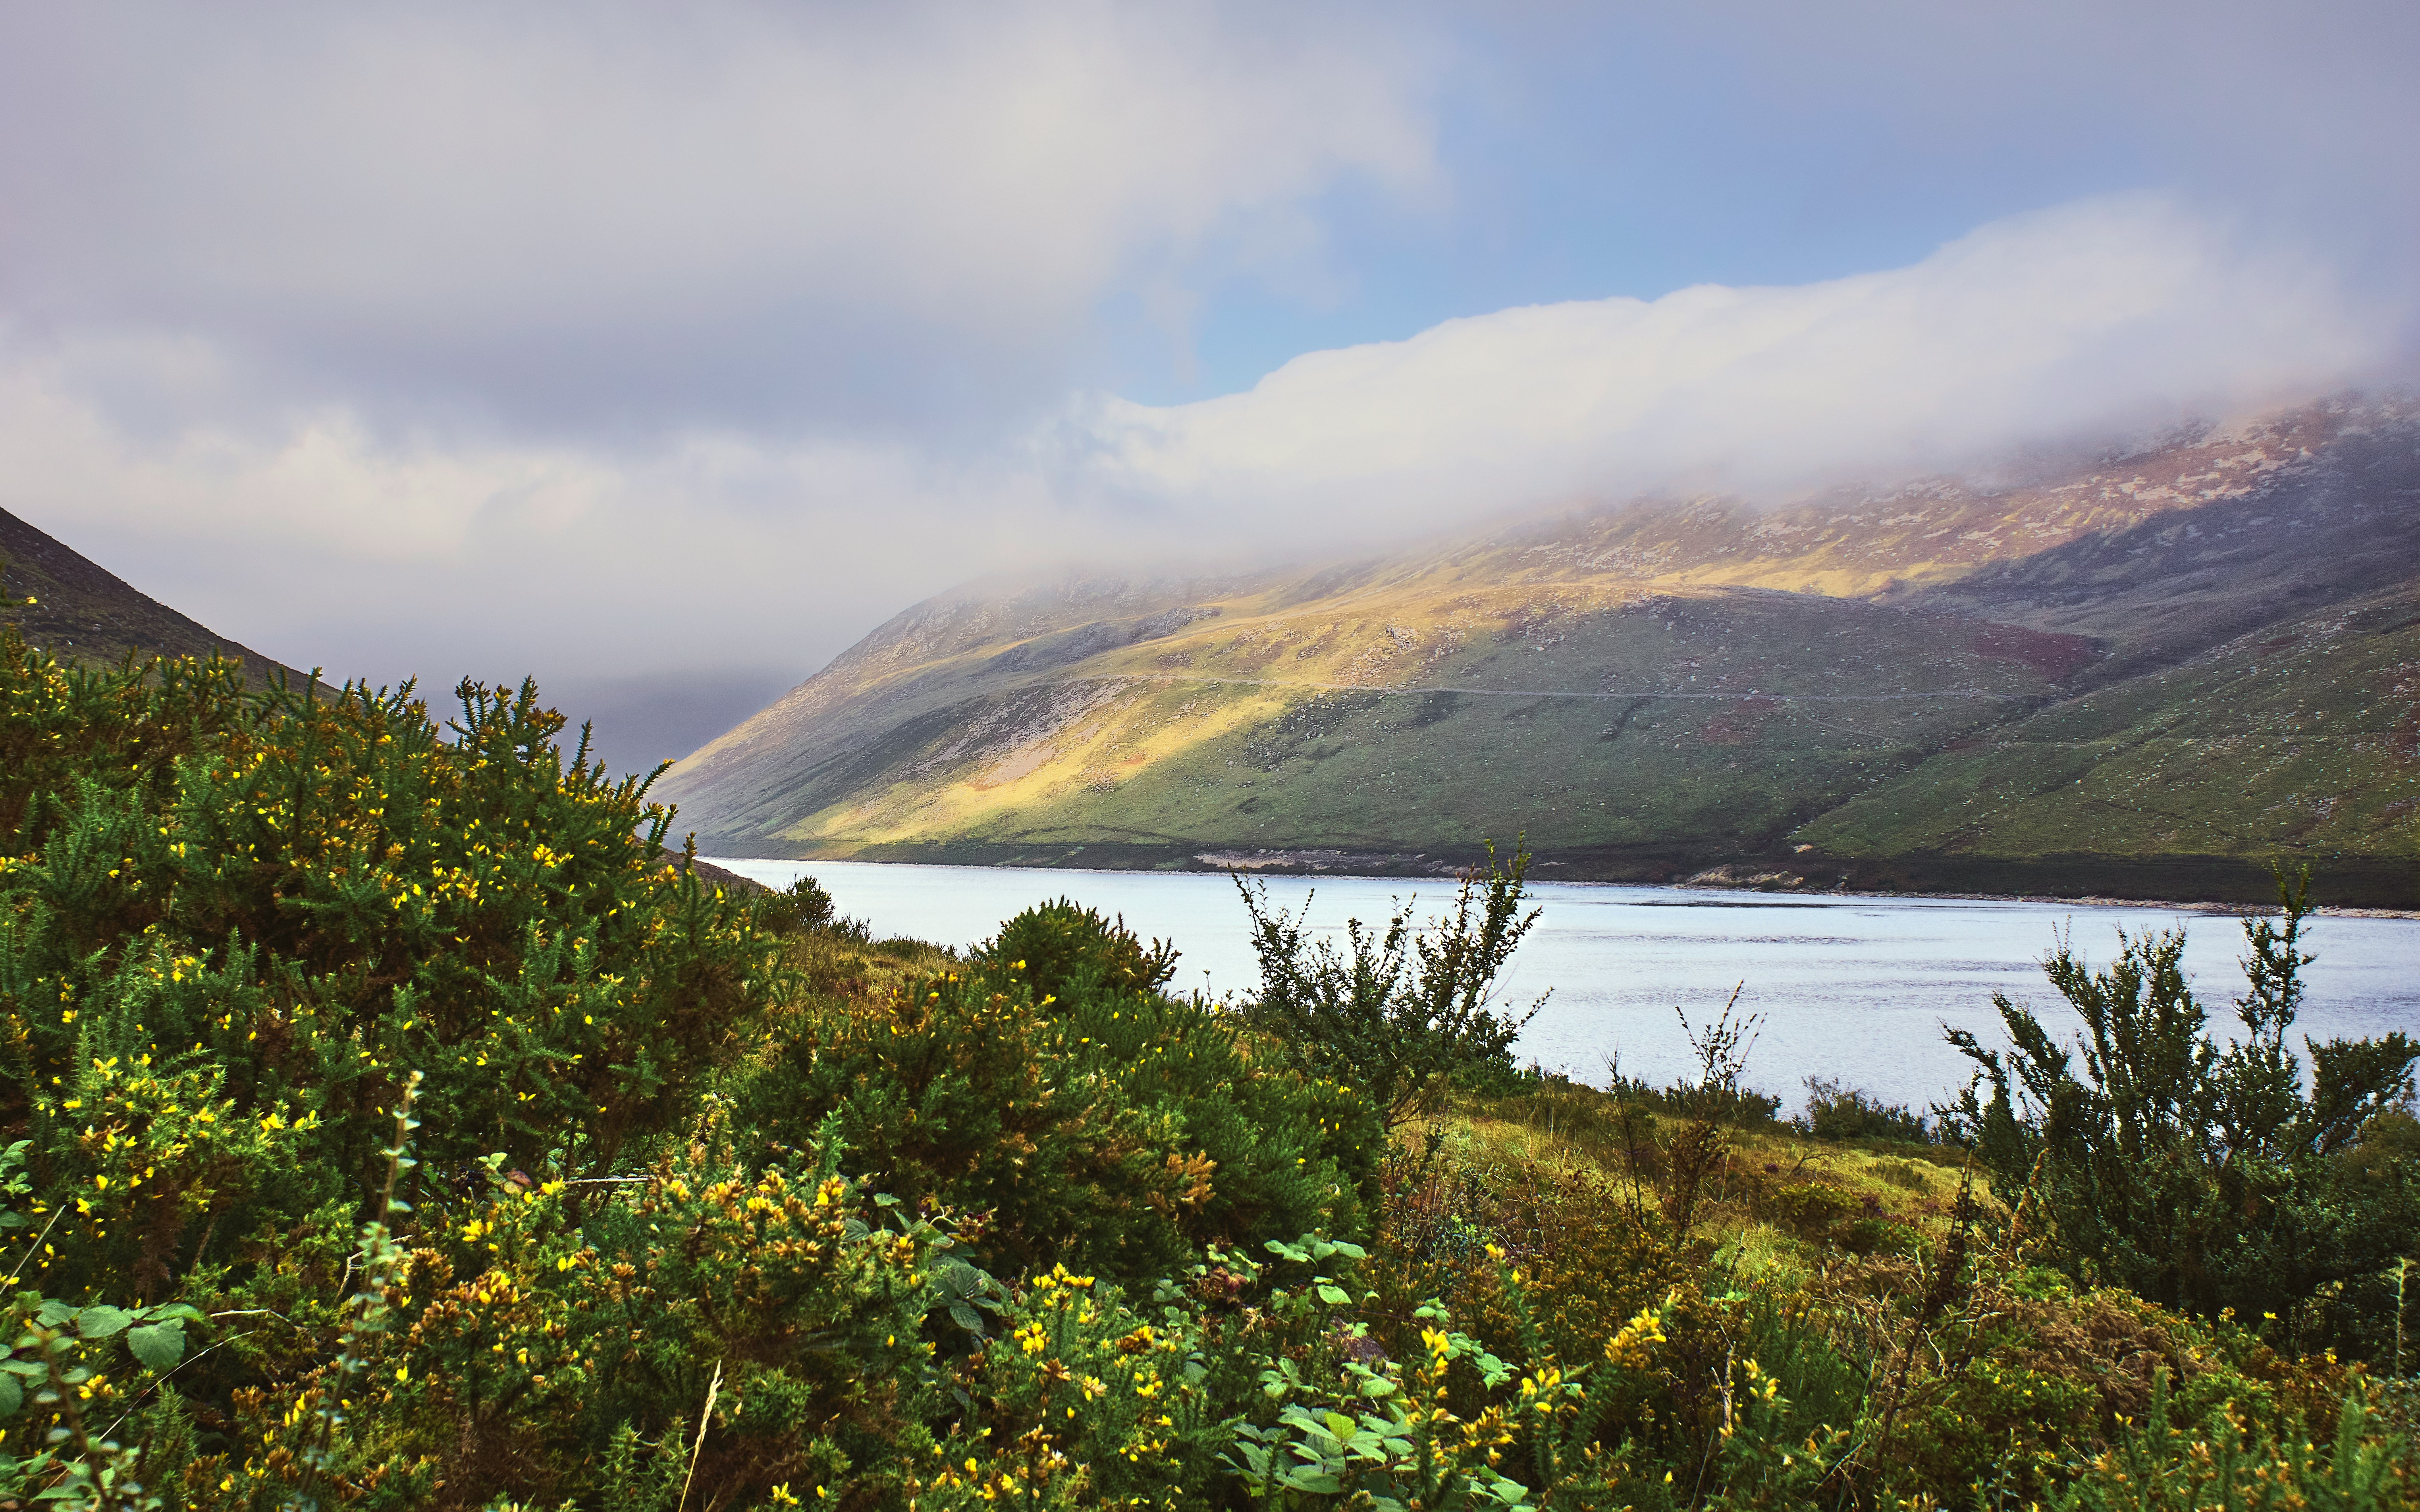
82,613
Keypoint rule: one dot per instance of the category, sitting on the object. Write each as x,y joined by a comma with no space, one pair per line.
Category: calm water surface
1855,988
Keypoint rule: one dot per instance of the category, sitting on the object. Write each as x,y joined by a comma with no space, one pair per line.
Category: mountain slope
82,613
1941,685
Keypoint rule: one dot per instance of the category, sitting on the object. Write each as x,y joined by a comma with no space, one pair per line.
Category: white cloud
318,539
633,345
2103,314
332,540
600,210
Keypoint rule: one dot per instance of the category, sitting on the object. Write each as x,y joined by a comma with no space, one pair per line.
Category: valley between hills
2145,675
2142,673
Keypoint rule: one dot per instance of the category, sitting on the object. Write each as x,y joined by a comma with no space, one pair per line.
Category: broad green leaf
101,1321
12,1395
159,1346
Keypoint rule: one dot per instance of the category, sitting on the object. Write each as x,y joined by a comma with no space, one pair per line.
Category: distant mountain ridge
82,613
2139,674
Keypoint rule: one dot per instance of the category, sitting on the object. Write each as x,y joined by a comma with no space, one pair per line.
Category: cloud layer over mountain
2095,319
2100,317
602,339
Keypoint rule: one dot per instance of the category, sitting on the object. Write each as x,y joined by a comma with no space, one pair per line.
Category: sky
662,352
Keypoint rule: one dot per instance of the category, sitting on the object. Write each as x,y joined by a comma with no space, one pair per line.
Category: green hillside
2142,674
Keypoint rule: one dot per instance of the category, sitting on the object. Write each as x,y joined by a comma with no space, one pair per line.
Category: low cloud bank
330,541
2103,316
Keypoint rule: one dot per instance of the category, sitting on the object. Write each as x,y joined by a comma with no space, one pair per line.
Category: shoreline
2217,907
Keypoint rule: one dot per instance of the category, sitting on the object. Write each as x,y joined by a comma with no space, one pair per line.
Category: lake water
1855,988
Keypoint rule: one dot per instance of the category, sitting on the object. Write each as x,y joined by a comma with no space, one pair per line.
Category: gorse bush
1682,1136
238,922
1396,1012
1063,950
231,925
2204,1176
1113,1128
385,1124
2220,1461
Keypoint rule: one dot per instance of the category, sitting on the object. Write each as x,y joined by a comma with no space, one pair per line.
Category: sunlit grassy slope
2203,653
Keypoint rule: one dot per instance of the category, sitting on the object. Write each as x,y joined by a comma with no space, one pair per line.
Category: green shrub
1589,1257
543,1356
1402,1011
1085,1400
1681,1138
232,924
2223,1460
1811,1208
1729,1106
2199,1176
802,905
1110,1129
1834,1111
1063,950
264,924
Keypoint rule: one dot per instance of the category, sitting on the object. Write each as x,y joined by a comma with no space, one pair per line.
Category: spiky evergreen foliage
1048,1089
229,926
1396,1012
1062,950
703,1200
2198,1173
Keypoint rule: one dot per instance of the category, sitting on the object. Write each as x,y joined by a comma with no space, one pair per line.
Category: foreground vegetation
387,1125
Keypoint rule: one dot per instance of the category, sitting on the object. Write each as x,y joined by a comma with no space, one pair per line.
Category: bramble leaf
159,1346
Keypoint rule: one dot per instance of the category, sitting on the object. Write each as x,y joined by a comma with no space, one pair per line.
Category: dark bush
1400,1013
802,905
261,911
1810,1209
2202,1176
1847,1113
1731,1106
1108,1128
